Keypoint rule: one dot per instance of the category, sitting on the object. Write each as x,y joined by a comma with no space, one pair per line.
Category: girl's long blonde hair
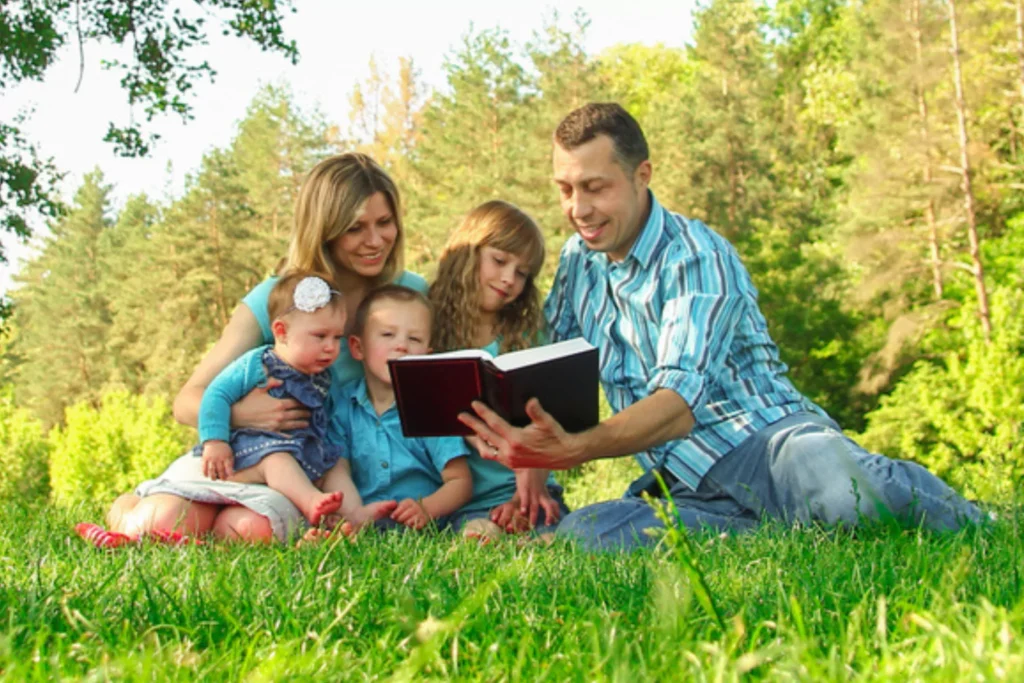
331,198
455,292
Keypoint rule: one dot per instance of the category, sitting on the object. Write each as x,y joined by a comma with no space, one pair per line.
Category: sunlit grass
801,604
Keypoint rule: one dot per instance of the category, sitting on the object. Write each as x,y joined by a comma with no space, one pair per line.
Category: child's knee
240,524
122,506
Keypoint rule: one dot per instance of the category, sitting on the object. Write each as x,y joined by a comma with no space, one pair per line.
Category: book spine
495,390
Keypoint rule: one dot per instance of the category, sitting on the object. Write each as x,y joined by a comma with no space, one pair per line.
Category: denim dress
308,445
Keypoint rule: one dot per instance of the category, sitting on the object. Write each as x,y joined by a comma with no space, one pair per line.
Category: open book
432,390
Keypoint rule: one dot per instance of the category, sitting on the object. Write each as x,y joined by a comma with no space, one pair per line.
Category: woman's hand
218,459
259,410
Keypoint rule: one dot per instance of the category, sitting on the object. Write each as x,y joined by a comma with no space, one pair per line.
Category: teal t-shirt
345,367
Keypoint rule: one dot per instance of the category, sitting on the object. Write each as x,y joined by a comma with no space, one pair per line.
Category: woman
348,225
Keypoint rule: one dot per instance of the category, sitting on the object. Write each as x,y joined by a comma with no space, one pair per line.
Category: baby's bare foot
322,504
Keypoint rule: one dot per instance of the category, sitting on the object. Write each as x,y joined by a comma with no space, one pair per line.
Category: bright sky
335,39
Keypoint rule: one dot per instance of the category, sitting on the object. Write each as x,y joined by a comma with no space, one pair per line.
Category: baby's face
393,329
311,341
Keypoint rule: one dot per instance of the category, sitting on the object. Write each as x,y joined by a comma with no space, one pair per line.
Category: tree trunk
922,109
965,167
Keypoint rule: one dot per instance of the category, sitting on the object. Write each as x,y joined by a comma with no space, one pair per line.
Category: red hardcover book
432,390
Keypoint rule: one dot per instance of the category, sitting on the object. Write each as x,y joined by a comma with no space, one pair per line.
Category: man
696,383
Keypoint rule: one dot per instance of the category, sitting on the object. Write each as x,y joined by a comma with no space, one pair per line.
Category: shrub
963,417
99,454
24,454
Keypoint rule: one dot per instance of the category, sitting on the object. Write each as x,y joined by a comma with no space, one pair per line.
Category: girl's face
310,342
503,277
364,248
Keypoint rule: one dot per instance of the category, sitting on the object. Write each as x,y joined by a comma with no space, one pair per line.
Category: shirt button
383,465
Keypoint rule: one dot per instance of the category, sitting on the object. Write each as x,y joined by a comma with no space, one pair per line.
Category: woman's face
364,248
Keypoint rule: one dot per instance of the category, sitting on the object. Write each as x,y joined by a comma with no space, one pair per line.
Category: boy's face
310,342
393,329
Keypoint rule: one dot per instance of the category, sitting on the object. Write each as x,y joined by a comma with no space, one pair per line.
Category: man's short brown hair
387,293
605,118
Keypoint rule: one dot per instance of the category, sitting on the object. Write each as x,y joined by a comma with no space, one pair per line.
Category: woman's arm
257,409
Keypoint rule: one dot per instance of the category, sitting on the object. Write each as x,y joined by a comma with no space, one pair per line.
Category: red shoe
100,537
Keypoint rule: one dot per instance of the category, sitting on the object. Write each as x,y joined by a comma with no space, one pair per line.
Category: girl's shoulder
412,281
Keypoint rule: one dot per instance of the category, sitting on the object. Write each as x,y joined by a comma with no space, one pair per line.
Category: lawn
790,604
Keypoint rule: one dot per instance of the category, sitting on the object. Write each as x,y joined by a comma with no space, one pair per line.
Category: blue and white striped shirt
679,312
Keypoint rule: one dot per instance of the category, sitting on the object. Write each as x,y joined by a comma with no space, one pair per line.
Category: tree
158,76
61,313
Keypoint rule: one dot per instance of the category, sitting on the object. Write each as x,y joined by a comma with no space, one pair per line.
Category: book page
464,353
540,354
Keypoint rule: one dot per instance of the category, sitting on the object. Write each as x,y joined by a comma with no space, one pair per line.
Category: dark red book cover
431,391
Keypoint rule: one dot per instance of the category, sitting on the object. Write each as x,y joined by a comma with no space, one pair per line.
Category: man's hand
259,410
218,459
541,444
410,513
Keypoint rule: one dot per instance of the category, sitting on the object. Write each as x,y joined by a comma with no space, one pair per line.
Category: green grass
795,604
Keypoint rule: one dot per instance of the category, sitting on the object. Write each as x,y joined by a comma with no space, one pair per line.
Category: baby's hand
410,513
218,459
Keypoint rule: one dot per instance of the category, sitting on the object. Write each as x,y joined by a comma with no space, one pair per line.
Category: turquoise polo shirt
345,367
386,465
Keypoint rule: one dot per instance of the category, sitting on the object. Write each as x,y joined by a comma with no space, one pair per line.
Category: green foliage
163,41
24,454
101,453
963,417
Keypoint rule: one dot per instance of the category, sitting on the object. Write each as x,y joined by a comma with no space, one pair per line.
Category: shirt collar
361,397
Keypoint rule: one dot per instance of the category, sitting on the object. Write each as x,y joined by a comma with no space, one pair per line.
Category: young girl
308,326
484,296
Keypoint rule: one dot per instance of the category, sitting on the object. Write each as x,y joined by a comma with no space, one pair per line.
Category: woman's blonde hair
455,292
329,202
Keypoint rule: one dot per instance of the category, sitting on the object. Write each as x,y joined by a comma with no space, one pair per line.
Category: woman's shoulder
412,281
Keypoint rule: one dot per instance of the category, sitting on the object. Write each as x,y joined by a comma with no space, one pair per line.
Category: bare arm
455,492
663,416
257,409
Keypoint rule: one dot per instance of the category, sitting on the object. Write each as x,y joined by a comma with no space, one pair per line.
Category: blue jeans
799,469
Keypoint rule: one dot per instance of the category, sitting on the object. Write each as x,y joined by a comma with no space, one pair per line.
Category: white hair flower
312,293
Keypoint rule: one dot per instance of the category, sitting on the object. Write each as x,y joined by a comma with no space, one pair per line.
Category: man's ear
355,347
643,173
279,330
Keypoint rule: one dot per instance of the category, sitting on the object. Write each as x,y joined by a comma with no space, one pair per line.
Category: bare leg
282,473
161,512
124,504
237,523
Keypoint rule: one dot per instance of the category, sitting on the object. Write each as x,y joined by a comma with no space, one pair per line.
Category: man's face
605,206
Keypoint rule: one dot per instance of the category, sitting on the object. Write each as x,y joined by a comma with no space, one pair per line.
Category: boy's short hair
391,292
282,296
582,125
